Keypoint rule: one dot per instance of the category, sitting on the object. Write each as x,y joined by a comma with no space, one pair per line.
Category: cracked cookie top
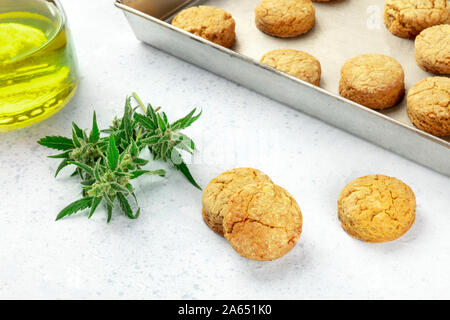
296,63
285,18
428,105
210,23
407,18
373,72
432,49
373,80
376,208
262,222
219,191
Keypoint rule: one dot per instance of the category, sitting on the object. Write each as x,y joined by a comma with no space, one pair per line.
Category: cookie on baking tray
210,23
219,191
407,18
376,208
372,80
432,49
428,105
262,222
285,18
296,63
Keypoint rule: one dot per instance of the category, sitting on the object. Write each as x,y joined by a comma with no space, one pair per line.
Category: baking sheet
150,21
343,29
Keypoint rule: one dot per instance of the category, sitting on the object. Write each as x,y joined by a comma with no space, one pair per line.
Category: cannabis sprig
107,165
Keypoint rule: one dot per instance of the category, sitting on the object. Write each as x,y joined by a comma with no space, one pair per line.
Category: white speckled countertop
169,252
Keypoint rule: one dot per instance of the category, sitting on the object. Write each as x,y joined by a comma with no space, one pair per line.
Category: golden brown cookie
407,18
376,208
373,80
219,191
210,23
262,222
285,18
432,49
428,104
296,63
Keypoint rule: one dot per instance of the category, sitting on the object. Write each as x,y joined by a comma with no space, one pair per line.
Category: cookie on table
285,18
376,208
210,23
428,105
219,191
432,49
296,63
407,18
373,80
262,222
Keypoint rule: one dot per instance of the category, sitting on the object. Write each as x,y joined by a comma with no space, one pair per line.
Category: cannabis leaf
107,165
164,139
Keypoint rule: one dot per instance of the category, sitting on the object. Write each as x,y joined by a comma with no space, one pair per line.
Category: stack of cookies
260,219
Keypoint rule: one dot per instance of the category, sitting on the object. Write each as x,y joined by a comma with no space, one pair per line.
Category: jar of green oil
38,73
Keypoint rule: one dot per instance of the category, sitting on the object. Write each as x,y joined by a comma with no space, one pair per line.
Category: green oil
37,63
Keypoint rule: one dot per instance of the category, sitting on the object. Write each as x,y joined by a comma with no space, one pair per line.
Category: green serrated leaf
95,203
74,207
191,121
78,131
62,165
83,166
140,162
95,132
126,208
164,150
109,212
161,124
119,187
75,139
112,154
188,142
134,150
145,121
137,173
150,140
183,147
61,155
151,113
177,124
97,170
87,182
164,117
57,142
183,168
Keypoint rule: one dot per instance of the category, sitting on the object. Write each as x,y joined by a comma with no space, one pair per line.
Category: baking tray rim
253,61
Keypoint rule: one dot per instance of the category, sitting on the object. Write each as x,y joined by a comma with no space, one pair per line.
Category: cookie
210,23
376,208
428,105
432,49
407,18
285,18
262,222
296,63
373,80
219,191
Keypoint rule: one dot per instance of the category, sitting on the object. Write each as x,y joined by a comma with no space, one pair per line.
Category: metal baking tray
344,28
